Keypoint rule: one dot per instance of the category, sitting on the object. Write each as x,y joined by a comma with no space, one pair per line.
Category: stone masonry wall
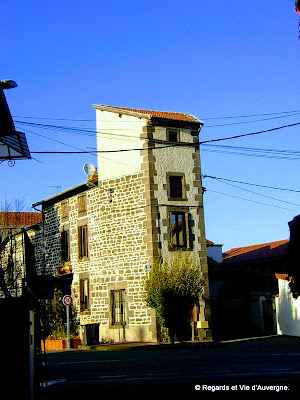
117,242
14,252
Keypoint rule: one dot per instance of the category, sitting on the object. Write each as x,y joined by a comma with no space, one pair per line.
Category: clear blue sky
206,58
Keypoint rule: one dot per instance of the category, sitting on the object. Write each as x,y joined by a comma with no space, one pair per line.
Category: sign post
68,301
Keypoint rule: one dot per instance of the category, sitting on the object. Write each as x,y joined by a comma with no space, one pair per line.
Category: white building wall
118,132
288,311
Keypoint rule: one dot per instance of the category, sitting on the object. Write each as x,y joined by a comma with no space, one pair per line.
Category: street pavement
268,364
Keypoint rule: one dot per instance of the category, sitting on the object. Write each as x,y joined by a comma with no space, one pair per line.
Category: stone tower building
144,203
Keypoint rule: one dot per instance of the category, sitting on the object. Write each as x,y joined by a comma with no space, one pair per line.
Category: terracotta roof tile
160,114
11,218
284,277
255,252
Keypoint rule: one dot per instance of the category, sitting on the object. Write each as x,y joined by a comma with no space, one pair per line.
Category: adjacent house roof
19,219
255,252
159,114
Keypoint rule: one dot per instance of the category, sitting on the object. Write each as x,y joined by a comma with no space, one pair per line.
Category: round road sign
67,300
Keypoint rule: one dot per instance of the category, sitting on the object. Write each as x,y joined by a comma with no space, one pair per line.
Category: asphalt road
262,365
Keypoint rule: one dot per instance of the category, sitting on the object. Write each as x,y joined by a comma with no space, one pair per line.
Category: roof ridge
257,245
155,113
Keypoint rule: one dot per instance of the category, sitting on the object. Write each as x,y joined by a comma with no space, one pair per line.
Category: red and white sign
67,300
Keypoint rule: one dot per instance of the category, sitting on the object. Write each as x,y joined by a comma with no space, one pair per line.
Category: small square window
173,136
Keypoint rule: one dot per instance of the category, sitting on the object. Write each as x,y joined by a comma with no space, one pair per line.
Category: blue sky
209,59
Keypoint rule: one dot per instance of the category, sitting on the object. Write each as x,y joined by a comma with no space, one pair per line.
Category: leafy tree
173,287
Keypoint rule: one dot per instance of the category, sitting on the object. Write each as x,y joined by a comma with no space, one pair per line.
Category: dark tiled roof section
255,252
18,219
161,114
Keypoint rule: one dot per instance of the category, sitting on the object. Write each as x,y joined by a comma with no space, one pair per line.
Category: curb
153,346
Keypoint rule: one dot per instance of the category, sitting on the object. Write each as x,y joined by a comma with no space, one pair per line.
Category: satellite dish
89,169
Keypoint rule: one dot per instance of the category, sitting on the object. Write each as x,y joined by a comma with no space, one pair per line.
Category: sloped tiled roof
255,252
18,219
160,114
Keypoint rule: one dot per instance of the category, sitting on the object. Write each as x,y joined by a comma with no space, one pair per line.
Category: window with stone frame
118,307
82,203
83,242
176,186
64,209
173,136
84,294
65,245
180,230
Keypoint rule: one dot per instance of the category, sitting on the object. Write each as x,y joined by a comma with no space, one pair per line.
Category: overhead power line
252,151
259,194
203,118
249,134
253,115
252,184
194,144
253,120
252,201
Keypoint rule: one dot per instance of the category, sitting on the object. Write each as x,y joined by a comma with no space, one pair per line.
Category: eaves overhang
158,118
65,194
13,144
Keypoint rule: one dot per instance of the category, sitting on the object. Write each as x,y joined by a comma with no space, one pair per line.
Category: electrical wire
183,144
208,118
258,149
249,134
252,201
248,122
253,115
259,194
253,152
252,184
92,132
92,152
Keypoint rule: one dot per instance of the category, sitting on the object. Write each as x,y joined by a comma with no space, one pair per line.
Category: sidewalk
152,346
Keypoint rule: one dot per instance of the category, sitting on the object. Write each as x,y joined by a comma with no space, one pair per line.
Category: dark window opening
83,241
173,136
65,246
176,187
84,294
